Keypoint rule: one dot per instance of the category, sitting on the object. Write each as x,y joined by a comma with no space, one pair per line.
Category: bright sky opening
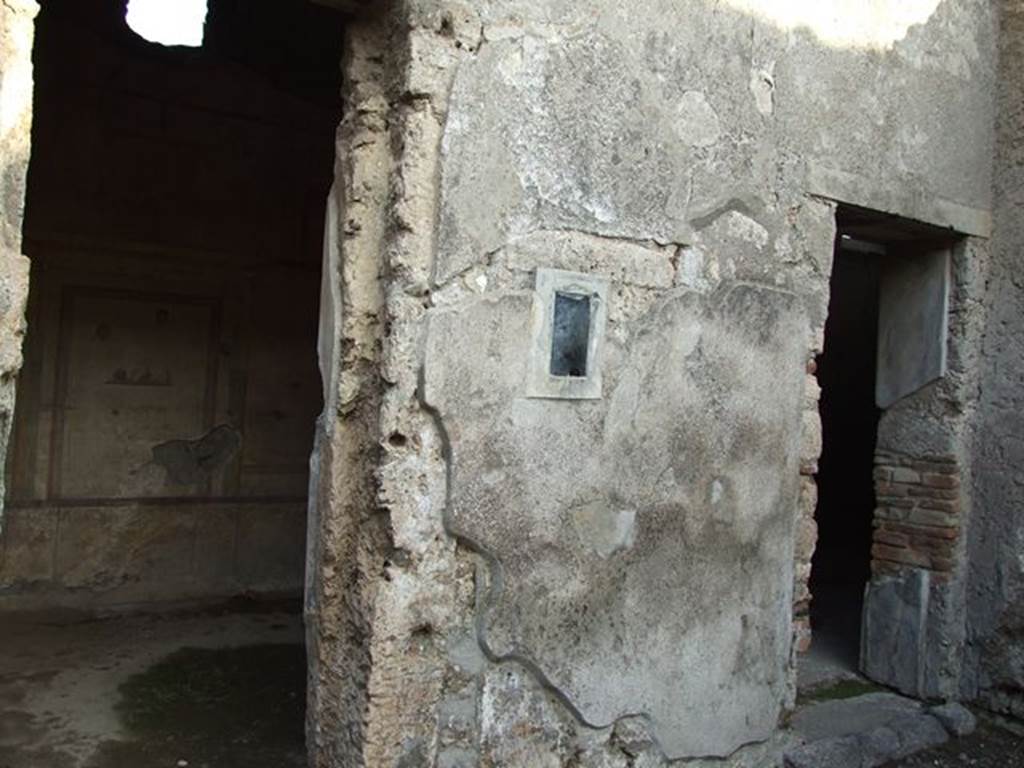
168,22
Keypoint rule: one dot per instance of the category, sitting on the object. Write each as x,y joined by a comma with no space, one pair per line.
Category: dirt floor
225,688
991,746
221,688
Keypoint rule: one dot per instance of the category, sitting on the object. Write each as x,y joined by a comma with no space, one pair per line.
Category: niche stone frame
567,325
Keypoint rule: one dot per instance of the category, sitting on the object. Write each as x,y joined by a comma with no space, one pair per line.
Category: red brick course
917,521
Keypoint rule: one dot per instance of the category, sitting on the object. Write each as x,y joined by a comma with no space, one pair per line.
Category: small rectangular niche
567,332
570,335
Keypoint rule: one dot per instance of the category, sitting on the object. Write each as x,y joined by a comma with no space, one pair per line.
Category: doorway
159,461
885,340
846,372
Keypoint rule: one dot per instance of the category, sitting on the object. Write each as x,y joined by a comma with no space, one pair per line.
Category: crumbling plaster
16,31
995,590
667,147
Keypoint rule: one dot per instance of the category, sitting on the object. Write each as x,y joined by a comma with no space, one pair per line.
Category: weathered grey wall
995,597
16,31
673,149
641,543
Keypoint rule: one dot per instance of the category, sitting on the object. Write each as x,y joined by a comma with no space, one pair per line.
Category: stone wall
680,154
16,33
995,597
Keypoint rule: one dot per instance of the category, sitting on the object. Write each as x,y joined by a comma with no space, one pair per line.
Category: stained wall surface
174,222
680,152
995,597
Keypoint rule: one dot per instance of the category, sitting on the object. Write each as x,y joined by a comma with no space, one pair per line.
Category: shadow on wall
174,218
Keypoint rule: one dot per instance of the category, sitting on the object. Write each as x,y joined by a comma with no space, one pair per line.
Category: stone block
841,752
955,718
457,757
883,474
912,324
905,475
936,466
891,538
891,489
899,555
926,492
618,523
932,517
935,480
862,732
932,531
893,630
951,506
915,733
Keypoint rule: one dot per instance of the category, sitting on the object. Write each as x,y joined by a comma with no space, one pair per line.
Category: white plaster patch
695,269
697,123
717,489
844,23
746,229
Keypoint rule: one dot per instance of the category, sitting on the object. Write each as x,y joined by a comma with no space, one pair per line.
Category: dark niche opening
570,335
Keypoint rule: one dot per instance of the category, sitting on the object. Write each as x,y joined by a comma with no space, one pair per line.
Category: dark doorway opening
885,338
846,499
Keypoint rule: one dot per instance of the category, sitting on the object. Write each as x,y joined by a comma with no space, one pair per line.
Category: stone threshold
870,730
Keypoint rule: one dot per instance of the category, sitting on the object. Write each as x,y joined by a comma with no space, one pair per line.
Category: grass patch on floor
214,708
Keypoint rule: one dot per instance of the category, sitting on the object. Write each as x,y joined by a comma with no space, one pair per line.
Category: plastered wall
680,152
995,592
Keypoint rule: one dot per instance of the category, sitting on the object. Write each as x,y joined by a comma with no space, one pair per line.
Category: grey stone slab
916,732
893,628
642,543
913,321
845,717
862,732
838,752
955,718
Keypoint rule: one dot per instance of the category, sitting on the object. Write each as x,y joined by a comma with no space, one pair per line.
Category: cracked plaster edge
437,102
488,597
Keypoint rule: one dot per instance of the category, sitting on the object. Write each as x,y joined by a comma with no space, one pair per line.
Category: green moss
843,689
215,708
